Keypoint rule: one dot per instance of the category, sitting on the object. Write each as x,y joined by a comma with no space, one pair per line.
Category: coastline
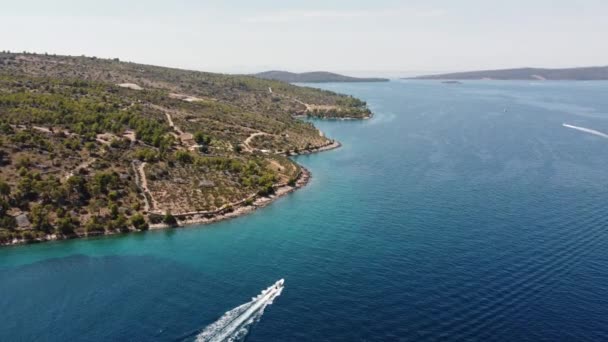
241,208
193,219
334,144
204,218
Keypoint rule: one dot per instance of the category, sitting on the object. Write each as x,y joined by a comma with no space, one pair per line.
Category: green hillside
92,146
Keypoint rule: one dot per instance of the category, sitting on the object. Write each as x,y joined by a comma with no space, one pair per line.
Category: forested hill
313,77
94,146
574,74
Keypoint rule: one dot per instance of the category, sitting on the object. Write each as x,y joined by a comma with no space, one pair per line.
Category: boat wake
587,130
234,324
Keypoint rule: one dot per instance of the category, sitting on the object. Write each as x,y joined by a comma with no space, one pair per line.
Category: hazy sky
339,35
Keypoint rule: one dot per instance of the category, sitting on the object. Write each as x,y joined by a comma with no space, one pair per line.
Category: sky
379,37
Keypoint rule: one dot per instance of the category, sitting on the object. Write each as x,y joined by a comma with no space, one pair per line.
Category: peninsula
313,77
569,74
95,146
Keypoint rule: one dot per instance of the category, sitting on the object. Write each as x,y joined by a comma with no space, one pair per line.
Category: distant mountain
313,77
578,74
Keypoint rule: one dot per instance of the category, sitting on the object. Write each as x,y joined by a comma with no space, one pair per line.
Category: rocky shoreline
240,209
193,219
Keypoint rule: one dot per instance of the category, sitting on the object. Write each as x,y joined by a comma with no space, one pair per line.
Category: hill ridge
313,77
593,73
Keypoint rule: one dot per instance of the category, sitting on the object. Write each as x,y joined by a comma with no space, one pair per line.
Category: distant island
312,77
94,146
569,74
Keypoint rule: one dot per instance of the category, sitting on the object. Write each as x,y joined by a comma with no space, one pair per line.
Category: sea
459,212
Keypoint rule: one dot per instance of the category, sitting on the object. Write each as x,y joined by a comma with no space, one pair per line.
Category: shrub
23,162
146,154
94,225
201,138
120,223
113,195
266,191
184,157
155,218
170,219
139,222
5,189
39,218
8,222
66,225
28,235
113,210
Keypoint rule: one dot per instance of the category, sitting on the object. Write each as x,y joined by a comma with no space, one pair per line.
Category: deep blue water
457,213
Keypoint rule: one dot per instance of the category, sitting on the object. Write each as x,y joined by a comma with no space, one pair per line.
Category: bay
459,212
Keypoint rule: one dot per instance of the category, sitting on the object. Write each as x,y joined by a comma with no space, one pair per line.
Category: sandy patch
132,86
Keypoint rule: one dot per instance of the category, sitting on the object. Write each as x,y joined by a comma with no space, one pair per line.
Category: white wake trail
587,130
234,324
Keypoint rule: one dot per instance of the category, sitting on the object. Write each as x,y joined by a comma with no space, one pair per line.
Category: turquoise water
458,213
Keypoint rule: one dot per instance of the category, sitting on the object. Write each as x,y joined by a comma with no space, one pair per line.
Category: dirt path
247,142
167,112
172,125
184,137
45,130
82,165
312,107
142,183
308,107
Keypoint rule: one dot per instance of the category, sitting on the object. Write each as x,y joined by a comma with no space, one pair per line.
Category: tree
66,225
8,222
113,210
169,219
3,157
76,187
25,188
39,217
120,223
147,155
201,138
5,189
94,225
203,141
113,195
23,162
6,128
90,145
4,207
96,204
139,222
103,181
